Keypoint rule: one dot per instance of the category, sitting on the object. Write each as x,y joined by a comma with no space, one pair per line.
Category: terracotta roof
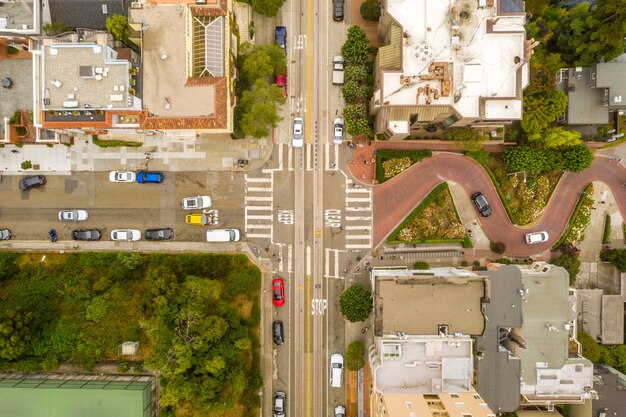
88,124
208,10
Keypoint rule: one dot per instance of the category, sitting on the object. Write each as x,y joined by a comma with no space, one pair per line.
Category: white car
336,370
126,235
298,132
536,237
338,126
122,176
73,215
197,202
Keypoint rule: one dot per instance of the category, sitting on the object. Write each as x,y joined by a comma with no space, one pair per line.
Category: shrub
571,263
616,256
606,236
26,164
503,261
370,10
421,265
591,349
497,247
354,49
355,356
356,303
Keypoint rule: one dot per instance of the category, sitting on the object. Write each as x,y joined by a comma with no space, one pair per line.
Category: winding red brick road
395,199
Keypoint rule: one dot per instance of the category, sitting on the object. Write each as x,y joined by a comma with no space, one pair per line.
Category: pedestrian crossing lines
358,218
259,206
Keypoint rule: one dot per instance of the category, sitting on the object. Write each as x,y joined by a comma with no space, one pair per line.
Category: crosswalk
259,205
358,218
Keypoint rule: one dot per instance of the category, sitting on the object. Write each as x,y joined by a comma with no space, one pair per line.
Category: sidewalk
173,152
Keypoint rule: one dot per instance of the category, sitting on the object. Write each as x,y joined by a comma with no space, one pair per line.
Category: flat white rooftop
471,50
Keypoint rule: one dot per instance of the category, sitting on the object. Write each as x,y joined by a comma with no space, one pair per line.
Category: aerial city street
358,208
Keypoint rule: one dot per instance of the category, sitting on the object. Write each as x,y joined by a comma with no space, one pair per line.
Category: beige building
449,63
462,404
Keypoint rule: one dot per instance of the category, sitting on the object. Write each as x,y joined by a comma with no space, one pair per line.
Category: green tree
421,265
356,119
558,137
129,260
524,158
541,109
260,112
117,25
353,92
356,73
8,265
18,330
354,49
355,356
262,62
614,356
591,349
616,256
570,262
370,10
577,158
56,28
356,303
266,7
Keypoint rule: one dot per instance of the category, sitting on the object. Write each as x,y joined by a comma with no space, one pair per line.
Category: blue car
145,177
281,37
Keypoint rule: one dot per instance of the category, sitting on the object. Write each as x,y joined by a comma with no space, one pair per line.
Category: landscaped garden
391,162
195,317
434,220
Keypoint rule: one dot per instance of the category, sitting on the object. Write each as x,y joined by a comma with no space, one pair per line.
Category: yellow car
197,219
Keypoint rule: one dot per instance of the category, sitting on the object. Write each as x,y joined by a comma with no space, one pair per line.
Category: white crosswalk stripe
358,219
259,206
331,264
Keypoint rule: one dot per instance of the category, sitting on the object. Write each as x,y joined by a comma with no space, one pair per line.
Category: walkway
395,199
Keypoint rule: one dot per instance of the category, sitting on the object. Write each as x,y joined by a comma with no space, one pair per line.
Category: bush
590,348
571,263
354,49
26,164
503,261
616,256
355,356
356,303
383,155
421,265
606,236
497,247
370,10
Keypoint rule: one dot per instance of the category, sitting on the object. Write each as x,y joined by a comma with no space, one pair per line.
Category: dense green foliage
536,161
591,349
356,118
117,25
616,256
356,303
384,155
571,263
470,139
354,49
355,356
194,316
56,28
266,7
606,235
421,265
370,10
578,221
497,247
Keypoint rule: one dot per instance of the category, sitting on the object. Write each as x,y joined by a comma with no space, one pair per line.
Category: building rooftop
90,14
610,385
612,75
423,364
439,297
85,76
449,404
20,17
584,103
455,53
19,70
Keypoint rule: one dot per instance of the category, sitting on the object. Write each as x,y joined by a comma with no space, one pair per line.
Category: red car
281,82
278,291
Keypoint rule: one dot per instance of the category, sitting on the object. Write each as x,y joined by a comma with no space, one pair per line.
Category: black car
277,332
86,234
159,234
481,204
31,182
337,10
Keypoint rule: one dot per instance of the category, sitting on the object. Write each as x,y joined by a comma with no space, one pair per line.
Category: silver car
537,237
298,132
197,202
73,215
338,126
126,235
5,234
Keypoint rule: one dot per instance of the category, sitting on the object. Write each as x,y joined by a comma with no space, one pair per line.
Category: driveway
395,199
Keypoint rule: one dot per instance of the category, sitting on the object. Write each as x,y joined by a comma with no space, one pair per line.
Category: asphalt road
31,214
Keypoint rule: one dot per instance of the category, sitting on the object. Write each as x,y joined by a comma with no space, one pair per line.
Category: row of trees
536,160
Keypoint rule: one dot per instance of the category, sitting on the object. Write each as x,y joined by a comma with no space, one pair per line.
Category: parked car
145,177
5,234
279,404
340,411
481,204
278,292
200,219
27,183
281,82
126,235
122,176
277,332
223,235
337,10
86,234
280,35
159,234
536,237
298,132
336,370
73,215
338,125
197,202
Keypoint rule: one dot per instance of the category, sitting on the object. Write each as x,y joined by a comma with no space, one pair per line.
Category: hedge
386,154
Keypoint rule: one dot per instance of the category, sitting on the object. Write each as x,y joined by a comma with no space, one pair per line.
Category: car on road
27,183
537,237
122,176
481,204
337,10
126,235
199,219
336,370
197,202
5,234
298,132
73,215
278,292
338,126
340,411
279,404
280,36
223,235
145,177
159,234
277,332
86,234
281,82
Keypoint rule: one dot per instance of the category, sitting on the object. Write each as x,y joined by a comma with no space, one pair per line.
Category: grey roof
512,6
610,385
612,75
584,102
85,13
499,370
612,319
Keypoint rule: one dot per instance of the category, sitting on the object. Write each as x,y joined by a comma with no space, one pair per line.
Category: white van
336,370
222,235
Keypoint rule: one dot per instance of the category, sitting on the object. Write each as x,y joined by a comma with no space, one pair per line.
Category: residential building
187,64
449,63
528,354
601,316
594,92
20,18
86,14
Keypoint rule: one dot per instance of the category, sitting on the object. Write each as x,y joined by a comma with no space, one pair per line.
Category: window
409,405
485,406
454,395
412,414
477,397
466,415
459,405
